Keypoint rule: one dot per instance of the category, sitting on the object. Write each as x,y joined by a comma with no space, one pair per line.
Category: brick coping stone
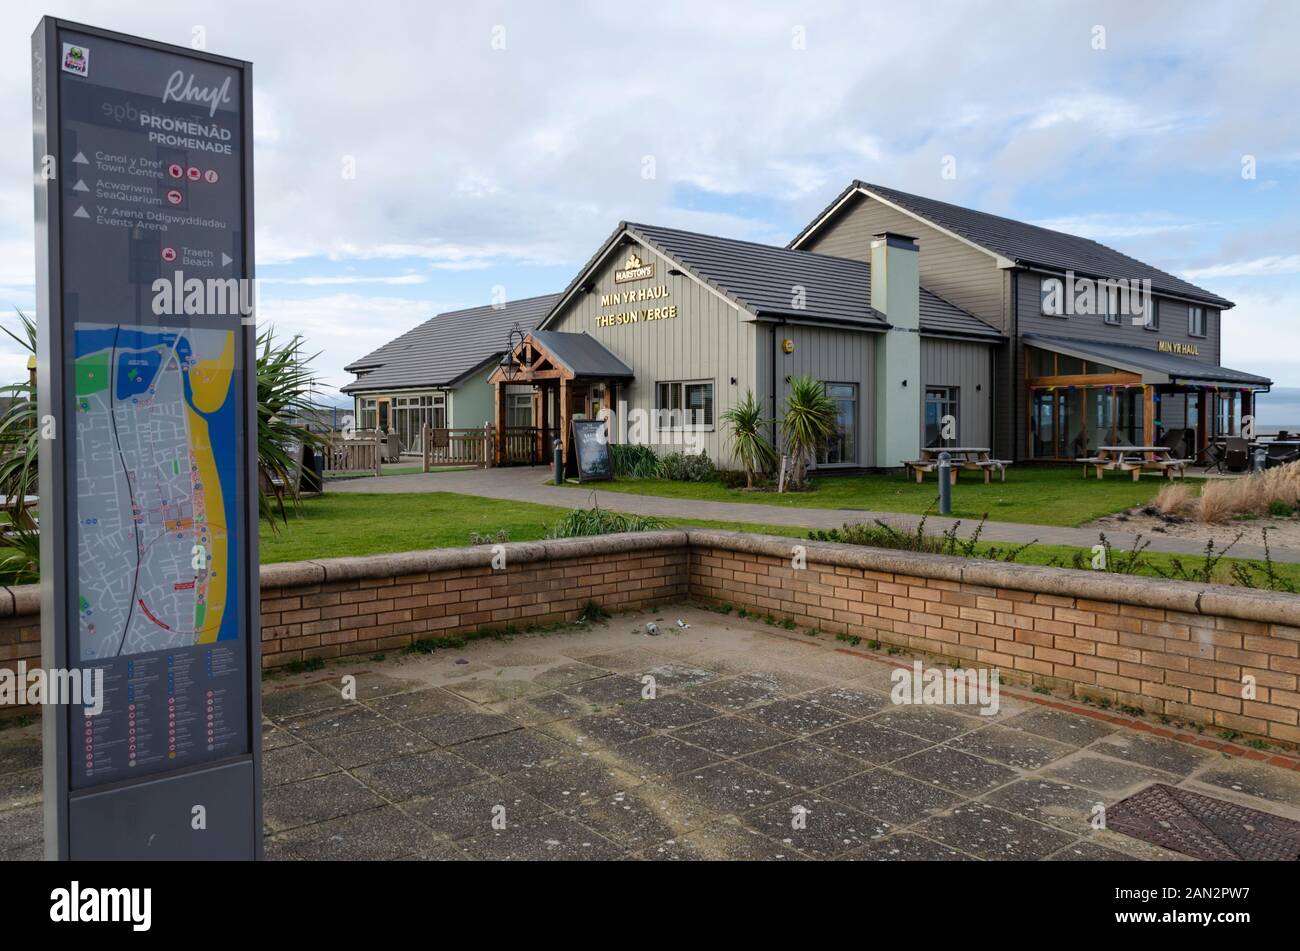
1184,596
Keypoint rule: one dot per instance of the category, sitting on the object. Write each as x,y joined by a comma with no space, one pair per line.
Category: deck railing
456,447
355,452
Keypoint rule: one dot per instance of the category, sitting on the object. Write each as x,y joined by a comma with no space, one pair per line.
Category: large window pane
842,447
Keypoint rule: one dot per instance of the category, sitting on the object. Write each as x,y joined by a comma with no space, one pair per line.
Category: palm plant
749,445
808,424
285,385
19,436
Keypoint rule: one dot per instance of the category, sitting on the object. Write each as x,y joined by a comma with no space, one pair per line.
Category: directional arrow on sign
81,212
80,159
225,259
80,186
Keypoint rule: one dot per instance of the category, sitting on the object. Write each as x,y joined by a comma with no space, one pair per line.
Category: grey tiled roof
444,348
583,354
1178,368
762,278
1030,245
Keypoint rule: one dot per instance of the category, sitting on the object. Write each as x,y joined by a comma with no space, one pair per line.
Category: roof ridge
757,244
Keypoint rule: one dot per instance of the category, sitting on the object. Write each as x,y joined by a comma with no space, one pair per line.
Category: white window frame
680,386
1192,311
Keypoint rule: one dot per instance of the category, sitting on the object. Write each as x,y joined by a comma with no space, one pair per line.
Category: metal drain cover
1204,827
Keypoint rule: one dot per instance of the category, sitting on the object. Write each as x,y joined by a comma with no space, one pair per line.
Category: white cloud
323,280
342,327
1273,264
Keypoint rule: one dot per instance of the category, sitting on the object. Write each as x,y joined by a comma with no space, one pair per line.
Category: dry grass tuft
1250,495
1176,498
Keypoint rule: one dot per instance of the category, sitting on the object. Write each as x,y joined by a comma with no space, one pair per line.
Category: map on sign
157,438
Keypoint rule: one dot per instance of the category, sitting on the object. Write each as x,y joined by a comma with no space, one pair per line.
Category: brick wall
1168,647
361,605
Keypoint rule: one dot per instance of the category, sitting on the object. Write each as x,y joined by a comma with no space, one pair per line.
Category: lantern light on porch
508,365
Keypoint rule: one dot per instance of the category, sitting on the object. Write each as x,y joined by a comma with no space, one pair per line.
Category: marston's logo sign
634,270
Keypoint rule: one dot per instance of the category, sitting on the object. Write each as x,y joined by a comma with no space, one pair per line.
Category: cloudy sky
497,144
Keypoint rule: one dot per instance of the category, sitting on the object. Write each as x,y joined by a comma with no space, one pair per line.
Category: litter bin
313,472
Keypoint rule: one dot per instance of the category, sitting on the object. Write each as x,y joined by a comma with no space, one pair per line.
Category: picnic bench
973,458
1135,459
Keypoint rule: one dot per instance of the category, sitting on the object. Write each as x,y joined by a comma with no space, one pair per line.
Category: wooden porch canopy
573,370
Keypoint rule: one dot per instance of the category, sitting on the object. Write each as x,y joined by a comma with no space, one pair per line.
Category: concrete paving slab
750,720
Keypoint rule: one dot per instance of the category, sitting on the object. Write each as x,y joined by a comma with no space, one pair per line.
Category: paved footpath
527,484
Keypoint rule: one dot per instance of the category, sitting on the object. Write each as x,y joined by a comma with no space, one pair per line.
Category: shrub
633,462
687,467
598,521
808,424
752,450
1279,509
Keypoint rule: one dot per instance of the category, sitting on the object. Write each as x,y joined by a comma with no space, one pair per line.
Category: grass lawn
333,526
1039,495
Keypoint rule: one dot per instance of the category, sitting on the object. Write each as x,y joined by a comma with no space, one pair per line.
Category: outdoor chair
1236,454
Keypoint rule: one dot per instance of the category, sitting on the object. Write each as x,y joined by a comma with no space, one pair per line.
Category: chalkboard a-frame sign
591,450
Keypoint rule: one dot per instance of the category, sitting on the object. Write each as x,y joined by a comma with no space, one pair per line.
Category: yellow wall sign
634,270
787,345
1169,346
643,315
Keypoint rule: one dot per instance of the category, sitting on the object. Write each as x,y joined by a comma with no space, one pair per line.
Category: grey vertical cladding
957,272
1172,328
833,356
709,339
966,366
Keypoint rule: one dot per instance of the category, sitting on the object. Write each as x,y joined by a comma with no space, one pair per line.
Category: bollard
559,462
1259,461
945,484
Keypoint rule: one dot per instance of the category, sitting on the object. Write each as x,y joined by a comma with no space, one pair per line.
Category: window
367,419
684,404
1196,321
1151,313
941,401
842,450
519,409
1051,297
1109,304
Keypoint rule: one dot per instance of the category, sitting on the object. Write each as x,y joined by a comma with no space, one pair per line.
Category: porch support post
1247,407
499,436
564,415
543,420
1149,415
1202,423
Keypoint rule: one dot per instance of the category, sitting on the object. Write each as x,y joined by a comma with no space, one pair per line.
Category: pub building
928,324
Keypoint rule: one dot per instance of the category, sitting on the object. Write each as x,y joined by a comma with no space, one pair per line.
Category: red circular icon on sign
174,196
193,173
169,254
175,171
210,176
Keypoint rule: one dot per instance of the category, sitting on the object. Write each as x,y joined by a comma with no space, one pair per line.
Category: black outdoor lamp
508,365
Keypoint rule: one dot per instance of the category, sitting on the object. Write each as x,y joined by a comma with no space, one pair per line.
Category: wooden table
977,458
1135,459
